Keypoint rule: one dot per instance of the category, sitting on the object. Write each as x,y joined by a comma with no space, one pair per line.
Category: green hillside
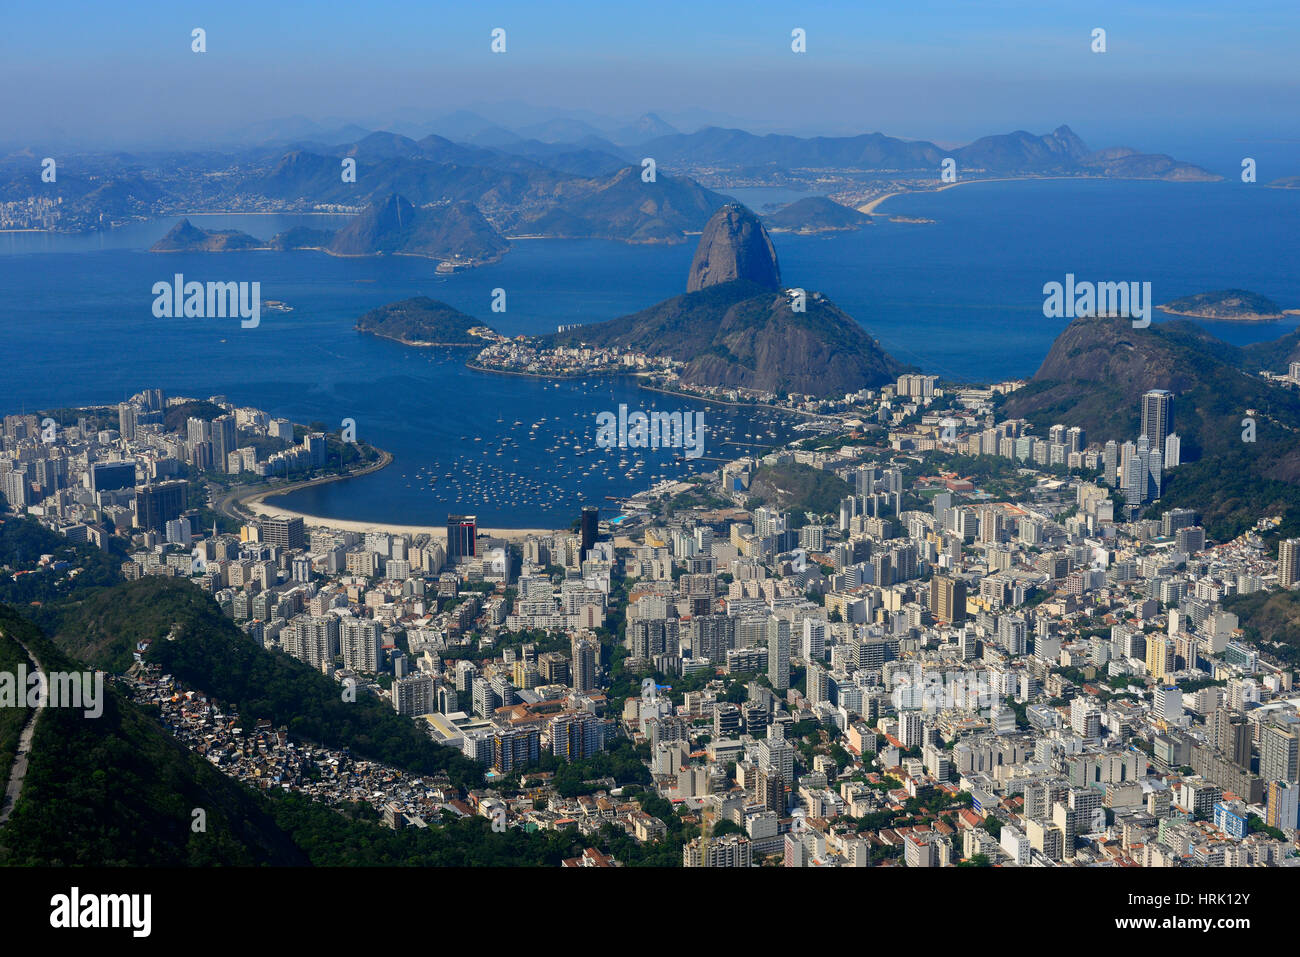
210,654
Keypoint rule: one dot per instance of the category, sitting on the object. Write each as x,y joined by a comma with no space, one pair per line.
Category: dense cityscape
993,647
446,445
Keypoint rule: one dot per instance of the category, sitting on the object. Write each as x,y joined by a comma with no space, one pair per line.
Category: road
227,503
18,772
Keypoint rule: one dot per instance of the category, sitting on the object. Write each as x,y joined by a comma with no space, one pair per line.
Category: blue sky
1175,74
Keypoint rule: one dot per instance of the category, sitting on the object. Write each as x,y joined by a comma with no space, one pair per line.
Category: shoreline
737,405
1252,318
254,501
471,364
869,207
261,508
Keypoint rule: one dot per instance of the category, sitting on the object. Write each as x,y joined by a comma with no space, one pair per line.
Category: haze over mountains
455,233
557,179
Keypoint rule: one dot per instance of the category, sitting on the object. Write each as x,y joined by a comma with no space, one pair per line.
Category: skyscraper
1288,562
778,653
948,599
1279,753
1173,450
156,505
590,520
126,420
462,537
223,441
1157,416
586,655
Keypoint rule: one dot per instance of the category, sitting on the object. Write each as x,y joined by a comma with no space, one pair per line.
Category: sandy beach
347,525
870,208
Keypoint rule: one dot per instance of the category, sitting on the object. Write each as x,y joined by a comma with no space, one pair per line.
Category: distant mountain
394,226
734,245
815,214
185,237
490,179
1096,372
421,321
1226,304
626,208
302,237
736,328
559,130
1058,149
383,145
592,159
647,127
714,146
1019,152
1123,163
1275,355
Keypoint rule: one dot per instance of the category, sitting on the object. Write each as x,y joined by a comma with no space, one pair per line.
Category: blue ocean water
961,297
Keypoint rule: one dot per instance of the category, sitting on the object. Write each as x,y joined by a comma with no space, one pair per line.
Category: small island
1226,305
185,237
815,214
422,321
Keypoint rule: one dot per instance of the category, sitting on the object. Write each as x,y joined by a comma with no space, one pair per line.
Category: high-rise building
1288,562
360,641
731,850
514,748
589,526
1157,416
462,537
586,656
156,505
948,599
1173,450
105,476
1282,805
778,653
1160,656
1110,460
1279,753
413,695
224,441
576,735
284,532
126,420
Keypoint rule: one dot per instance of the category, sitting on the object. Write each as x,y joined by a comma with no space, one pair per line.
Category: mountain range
559,178
454,232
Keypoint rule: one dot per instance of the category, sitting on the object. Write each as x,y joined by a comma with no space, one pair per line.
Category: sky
1212,79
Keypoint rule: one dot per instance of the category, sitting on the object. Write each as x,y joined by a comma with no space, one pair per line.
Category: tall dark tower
1157,417
462,537
590,520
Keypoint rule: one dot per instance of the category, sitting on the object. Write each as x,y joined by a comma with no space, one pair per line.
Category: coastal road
14,789
227,503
